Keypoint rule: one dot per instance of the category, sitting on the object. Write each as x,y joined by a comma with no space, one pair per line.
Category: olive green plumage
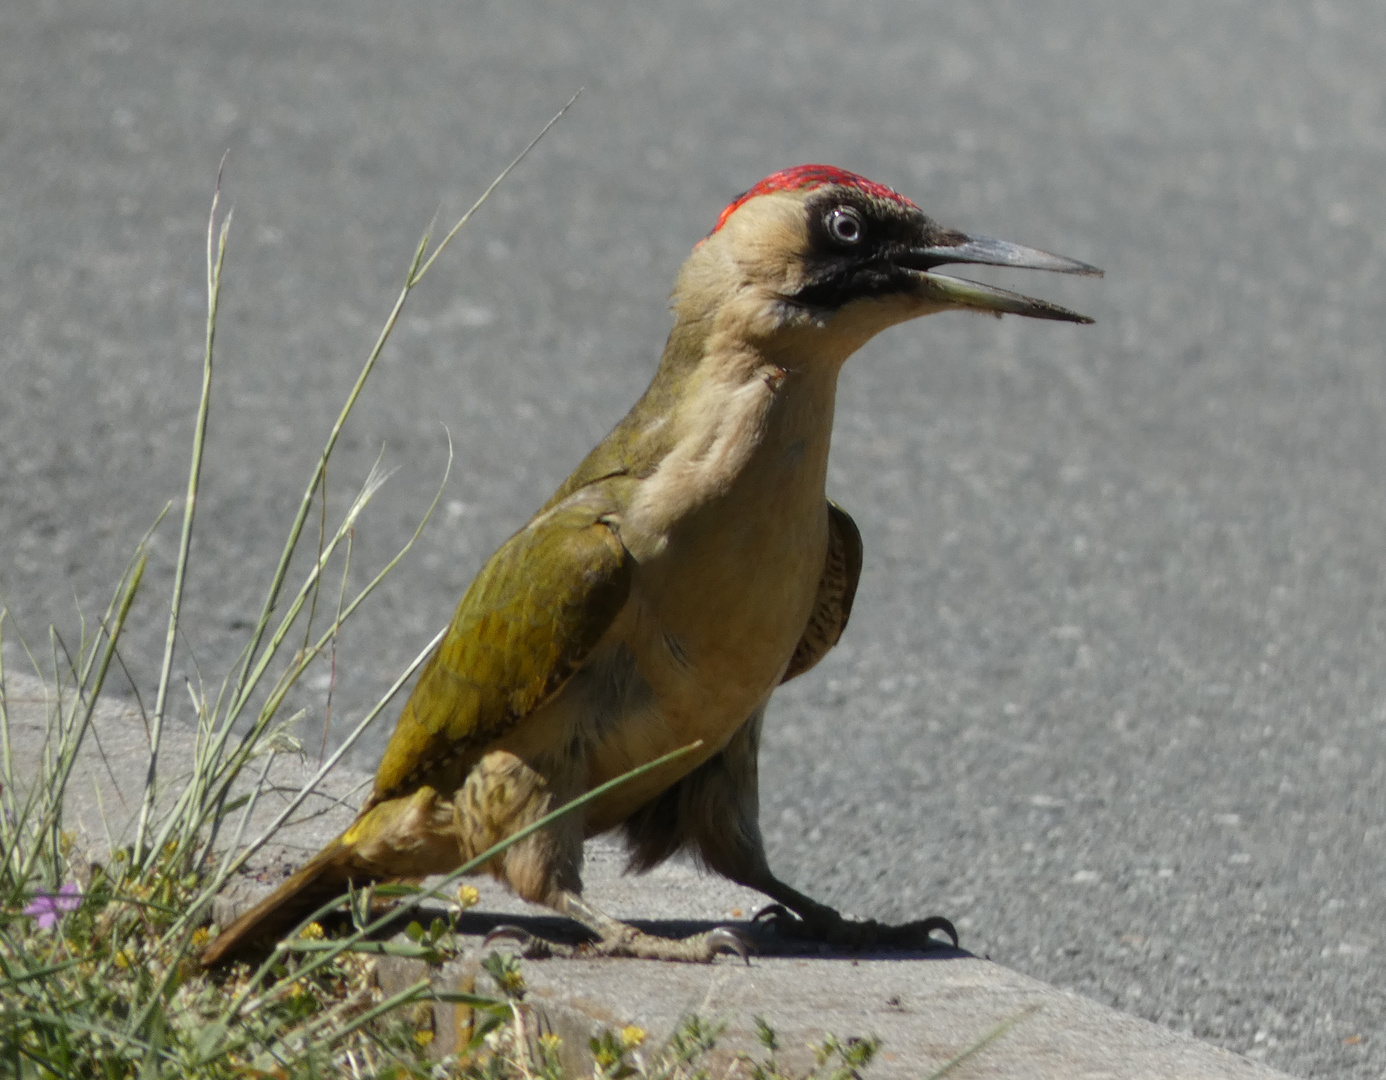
524,626
687,567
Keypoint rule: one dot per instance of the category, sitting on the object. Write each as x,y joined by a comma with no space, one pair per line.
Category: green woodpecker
691,564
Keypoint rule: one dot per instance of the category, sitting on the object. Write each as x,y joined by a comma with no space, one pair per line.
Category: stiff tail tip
254,935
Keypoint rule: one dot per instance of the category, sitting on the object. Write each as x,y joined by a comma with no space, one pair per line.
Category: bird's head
819,250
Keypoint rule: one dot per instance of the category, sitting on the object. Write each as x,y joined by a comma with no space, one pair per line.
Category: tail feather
411,836
325,877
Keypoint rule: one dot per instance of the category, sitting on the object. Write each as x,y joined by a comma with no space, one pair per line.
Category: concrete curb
926,1007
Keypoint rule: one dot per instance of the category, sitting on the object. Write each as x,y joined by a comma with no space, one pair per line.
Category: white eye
844,224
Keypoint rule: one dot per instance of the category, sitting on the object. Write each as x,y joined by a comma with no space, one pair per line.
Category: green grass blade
462,871
216,258
981,1044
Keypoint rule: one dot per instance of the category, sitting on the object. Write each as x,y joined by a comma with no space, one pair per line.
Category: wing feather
837,588
525,625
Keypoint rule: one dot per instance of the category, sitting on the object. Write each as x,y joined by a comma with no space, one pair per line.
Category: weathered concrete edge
926,1008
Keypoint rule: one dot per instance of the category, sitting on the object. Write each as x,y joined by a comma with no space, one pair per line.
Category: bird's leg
621,939
618,939
502,794
715,809
796,915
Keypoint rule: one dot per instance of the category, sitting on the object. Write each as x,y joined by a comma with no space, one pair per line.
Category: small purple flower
47,906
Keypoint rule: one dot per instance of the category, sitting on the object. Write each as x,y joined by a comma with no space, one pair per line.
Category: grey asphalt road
1113,694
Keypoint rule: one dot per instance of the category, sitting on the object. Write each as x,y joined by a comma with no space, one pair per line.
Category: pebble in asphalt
1113,694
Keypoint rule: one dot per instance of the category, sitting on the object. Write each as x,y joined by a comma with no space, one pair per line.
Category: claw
776,915
508,930
531,947
918,934
725,939
926,927
857,935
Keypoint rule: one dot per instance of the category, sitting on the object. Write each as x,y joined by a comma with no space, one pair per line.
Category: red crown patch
811,176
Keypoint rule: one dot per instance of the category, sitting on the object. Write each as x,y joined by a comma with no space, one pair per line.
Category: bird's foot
627,941
826,925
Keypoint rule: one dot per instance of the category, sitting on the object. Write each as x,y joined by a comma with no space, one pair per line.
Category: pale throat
756,427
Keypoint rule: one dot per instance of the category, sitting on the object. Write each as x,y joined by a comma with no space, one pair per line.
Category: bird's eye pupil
844,225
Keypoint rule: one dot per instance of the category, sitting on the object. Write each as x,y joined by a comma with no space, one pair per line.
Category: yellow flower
313,932
423,1037
468,896
550,1042
199,937
632,1036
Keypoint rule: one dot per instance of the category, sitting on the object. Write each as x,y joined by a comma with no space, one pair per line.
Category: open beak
959,292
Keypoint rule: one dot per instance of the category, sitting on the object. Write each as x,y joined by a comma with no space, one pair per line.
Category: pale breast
712,624
729,537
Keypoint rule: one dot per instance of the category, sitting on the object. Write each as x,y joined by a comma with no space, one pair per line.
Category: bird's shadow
768,942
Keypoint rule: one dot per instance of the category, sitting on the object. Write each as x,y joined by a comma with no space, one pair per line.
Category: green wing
525,625
837,588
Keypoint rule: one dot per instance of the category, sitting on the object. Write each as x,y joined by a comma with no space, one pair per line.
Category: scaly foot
820,923
627,941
